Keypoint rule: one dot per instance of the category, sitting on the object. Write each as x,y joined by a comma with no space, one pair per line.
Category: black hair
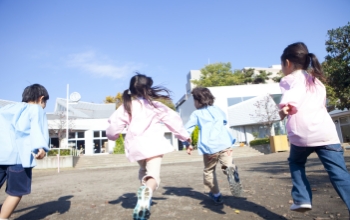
33,92
203,96
299,55
141,86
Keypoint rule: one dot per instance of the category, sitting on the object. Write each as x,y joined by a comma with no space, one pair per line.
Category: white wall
186,109
192,75
222,93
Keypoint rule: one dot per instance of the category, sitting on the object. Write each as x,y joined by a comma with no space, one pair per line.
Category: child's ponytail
127,101
315,68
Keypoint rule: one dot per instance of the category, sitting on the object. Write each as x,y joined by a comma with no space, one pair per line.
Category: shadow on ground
43,210
129,200
232,202
314,172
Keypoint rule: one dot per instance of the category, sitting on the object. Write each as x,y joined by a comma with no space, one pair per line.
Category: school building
341,119
87,127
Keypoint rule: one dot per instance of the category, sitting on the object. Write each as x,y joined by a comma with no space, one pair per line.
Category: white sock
217,194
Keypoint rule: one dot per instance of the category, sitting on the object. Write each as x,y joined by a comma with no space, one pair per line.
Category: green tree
262,77
246,76
218,74
278,77
337,65
119,145
221,74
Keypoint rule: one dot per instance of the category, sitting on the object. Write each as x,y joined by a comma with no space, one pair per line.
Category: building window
54,142
81,134
345,129
344,121
97,134
100,142
77,140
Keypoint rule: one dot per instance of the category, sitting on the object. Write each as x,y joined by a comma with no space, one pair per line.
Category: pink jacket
145,132
309,124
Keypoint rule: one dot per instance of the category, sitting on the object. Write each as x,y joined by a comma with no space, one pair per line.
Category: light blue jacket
213,135
23,130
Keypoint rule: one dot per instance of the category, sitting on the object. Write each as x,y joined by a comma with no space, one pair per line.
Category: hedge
63,152
119,145
259,141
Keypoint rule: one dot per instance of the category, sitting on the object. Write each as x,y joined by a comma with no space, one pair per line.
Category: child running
309,126
214,143
144,141
23,131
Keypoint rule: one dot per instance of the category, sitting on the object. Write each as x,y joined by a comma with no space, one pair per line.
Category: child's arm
172,121
117,122
39,132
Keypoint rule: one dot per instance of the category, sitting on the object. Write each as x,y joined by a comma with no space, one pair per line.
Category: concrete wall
264,148
52,162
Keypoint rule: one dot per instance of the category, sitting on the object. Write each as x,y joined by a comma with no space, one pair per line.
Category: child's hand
41,154
189,149
284,112
286,109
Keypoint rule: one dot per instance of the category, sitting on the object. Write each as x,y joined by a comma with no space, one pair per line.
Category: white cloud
101,66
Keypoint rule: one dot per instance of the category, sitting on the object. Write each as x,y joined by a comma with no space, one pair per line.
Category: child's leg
142,170
333,160
9,206
301,191
19,181
226,160
209,174
152,177
149,175
230,169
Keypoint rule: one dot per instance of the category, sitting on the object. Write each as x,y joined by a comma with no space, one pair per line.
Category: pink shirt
309,124
145,131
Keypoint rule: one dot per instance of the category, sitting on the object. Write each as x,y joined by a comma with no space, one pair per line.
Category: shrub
54,152
194,137
119,145
259,141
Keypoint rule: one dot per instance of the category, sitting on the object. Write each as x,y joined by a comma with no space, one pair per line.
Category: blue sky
96,46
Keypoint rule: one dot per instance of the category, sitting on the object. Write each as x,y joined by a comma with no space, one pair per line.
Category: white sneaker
301,207
142,209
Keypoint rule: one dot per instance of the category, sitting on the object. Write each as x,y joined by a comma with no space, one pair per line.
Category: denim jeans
333,161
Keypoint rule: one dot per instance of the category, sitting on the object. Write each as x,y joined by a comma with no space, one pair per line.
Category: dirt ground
110,193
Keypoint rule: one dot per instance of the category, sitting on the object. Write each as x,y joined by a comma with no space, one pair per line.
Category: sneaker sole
142,208
235,187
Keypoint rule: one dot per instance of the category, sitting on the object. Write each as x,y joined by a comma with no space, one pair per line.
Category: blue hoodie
23,130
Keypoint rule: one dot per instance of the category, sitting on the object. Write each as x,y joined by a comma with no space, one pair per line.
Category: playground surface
109,193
